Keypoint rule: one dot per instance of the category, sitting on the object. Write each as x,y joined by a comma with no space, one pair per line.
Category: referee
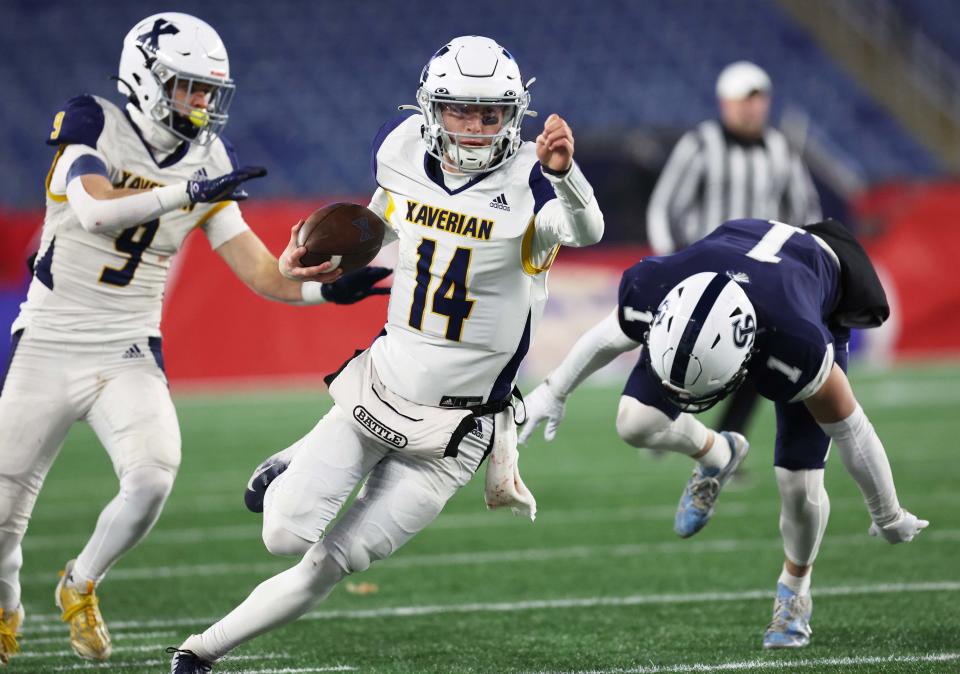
737,167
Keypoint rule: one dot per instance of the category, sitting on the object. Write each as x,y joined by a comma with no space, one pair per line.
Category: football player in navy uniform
762,300
127,186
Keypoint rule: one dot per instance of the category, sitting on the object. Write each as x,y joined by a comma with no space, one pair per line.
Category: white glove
901,530
542,405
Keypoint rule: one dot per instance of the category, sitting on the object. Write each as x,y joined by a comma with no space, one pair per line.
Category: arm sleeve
571,218
381,203
674,194
804,200
596,348
107,215
865,459
222,222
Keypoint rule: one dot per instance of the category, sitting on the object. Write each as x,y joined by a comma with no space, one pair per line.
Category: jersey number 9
132,241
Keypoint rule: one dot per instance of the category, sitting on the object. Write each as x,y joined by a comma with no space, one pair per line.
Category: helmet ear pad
700,340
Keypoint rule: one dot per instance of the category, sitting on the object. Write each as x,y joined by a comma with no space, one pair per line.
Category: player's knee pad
282,542
146,488
804,512
647,427
367,544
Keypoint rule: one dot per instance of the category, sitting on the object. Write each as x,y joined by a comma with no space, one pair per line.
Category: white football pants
119,389
401,496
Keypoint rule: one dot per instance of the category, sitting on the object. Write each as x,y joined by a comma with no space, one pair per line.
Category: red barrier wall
917,243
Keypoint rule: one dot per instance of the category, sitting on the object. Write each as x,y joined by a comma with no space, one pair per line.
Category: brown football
349,234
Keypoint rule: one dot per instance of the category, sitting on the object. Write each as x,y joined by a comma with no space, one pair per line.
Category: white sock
719,453
11,560
275,602
798,584
123,523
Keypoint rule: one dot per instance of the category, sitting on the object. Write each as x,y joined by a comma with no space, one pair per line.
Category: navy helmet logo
743,332
151,40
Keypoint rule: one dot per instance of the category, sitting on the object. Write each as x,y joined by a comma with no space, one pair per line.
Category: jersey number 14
450,298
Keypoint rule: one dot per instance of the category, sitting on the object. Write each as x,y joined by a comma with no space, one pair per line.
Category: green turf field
599,583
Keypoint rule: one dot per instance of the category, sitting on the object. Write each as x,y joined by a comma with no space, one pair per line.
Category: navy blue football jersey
791,279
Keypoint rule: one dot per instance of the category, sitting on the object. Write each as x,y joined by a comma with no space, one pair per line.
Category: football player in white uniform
125,189
479,215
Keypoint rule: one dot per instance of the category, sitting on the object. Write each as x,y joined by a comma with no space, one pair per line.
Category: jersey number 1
767,248
450,298
132,241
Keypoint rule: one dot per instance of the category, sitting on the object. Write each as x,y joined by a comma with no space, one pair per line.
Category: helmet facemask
192,124
448,146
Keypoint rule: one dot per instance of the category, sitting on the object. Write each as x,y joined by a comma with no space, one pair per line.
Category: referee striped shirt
713,176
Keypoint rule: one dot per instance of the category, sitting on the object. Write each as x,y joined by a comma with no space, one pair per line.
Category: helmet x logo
151,40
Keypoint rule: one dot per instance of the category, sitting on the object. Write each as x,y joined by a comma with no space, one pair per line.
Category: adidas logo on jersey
133,352
501,203
199,174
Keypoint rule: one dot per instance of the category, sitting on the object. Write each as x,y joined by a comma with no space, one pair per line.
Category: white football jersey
90,287
470,283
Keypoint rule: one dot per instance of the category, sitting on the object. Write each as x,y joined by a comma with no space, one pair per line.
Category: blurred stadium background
869,89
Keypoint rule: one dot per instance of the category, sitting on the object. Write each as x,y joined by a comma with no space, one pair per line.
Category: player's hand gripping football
555,144
222,188
901,530
290,262
542,405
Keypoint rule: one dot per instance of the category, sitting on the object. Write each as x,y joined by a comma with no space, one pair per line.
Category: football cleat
187,662
699,497
266,472
81,610
9,629
790,627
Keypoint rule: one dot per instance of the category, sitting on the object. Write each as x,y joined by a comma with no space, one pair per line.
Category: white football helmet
169,49
472,70
701,339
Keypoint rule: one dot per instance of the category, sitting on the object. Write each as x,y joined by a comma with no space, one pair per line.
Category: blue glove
356,285
223,187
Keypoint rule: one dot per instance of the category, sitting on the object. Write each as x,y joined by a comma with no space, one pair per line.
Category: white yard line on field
291,670
779,665
28,642
491,556
146,648
549,604
110,666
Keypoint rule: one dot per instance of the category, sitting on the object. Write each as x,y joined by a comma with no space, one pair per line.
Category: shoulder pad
381,136
80,121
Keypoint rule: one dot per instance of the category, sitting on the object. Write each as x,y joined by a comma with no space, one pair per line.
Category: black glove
356,285
223,187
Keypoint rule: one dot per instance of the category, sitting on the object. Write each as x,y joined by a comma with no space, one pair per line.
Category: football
349,235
